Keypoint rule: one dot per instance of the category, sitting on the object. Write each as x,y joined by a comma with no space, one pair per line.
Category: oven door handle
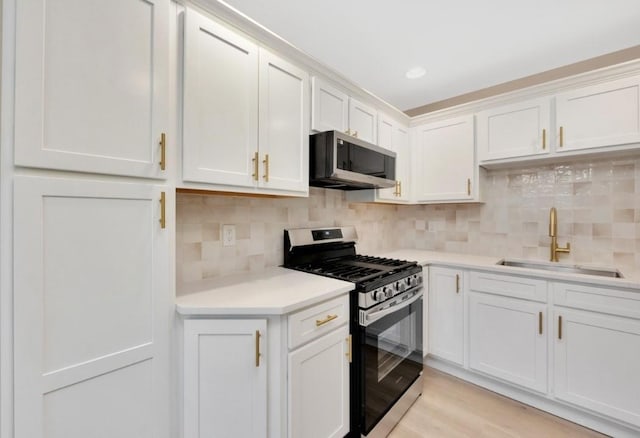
372,317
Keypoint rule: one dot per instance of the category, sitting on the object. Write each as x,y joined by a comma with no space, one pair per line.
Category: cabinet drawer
311,323
508,285
597,298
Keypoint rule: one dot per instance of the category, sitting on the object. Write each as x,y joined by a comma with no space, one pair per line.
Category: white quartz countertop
631,279
274,291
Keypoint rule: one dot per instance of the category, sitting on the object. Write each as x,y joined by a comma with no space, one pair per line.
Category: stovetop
358,269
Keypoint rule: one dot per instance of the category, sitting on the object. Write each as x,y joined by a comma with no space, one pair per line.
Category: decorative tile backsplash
598,205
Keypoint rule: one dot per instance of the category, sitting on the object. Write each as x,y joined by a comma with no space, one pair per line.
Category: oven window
395,344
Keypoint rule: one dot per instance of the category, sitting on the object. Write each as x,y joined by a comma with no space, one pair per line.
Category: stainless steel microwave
340,161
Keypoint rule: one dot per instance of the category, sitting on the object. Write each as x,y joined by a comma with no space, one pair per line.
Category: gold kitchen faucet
553,233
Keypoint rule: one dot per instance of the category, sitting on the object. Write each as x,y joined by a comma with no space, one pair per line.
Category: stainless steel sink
572,269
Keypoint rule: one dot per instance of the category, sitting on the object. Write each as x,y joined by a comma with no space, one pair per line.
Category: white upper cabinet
386,128
606,114
329,107
91,85
362,121
444,165
399,144
333,109
220,103
517,130
246,113
284,124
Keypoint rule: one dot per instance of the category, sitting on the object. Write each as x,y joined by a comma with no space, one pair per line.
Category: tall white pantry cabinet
87,220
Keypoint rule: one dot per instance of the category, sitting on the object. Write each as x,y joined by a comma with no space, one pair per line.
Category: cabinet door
91,308
401,192
445,166
508,340
517,130
597,358
225,378
319,387
386,127
601,115
284,126
91,85
329,107
446,314
363,121
220,136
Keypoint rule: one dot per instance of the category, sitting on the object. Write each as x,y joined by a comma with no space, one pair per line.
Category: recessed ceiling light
415,73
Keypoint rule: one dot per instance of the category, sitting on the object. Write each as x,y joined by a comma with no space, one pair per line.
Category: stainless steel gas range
386,323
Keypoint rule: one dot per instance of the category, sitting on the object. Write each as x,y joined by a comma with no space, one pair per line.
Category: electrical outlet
228,235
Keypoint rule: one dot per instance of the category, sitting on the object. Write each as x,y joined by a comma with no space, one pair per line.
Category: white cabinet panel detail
91,85
91,299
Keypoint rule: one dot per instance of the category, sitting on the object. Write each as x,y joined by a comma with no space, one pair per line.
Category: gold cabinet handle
257,348
255,166
561,136
163,210
396,192
266,167
349,348
544,139
320,322
348,132
163,151
559,327
457,283
469,186
399,188
539,323
355,134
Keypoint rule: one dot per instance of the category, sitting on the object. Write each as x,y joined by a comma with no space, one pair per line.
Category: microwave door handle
372,317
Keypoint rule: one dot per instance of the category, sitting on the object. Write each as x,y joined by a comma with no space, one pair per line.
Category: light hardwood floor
452,408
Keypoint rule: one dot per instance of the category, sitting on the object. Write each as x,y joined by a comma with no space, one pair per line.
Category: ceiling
464,45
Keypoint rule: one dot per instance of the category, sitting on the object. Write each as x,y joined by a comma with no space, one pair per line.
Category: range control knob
408,281
379,295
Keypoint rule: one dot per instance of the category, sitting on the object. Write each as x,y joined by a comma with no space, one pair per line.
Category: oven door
390,355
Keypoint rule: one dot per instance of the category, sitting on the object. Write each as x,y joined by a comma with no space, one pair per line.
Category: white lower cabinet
508,340
597,363
571,348
91,307
446,314
272,376
225,378
319,387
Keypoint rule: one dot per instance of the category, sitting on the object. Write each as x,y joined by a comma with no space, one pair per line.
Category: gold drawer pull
561,136
163,210
163,151
469,186
399,188
559,327
266,168
539,323
320,322
257,348
457,283
255,166
544,139
349,350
